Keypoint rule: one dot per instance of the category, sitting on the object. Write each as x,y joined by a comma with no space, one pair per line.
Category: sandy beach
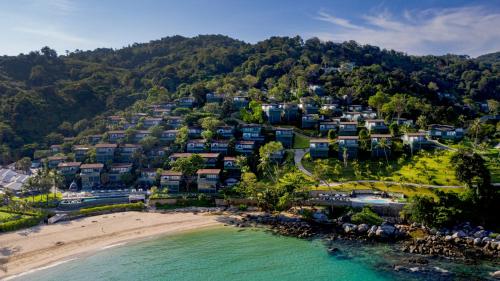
43,245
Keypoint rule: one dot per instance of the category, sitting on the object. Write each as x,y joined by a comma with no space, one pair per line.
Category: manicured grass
14,220
429,168
424,168
394,188
300,141
41,197
4,216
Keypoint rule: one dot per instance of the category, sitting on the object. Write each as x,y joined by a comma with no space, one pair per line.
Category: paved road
444,146
297,158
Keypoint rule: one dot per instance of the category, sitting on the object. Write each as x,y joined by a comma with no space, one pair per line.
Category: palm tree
475,127
58,181
384,144
345,155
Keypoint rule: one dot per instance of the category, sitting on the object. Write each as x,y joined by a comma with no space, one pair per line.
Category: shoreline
45,246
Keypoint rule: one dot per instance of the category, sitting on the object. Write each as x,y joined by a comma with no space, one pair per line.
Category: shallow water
228,253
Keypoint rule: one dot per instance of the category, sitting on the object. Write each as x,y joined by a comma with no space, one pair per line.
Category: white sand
32,248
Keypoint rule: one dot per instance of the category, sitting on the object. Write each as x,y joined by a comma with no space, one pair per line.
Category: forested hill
41,90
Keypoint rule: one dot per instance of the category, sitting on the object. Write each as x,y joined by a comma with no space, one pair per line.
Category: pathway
297,158
444,146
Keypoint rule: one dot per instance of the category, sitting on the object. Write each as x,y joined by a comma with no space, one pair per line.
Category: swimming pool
371,199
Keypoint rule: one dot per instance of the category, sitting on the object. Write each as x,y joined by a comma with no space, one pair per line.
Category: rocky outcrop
455,245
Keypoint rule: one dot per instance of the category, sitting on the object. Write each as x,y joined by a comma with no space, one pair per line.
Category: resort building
94,139
285,136
55,149
319,148
105,152
348,128
213,98
326,126
225,132
378,149
194,132
69,169
127,151
149,122
415,141
172,181
355,108
117,170
219,146
402,121
136,117
353,116
290,112
245,147
349,145
273,113
147,177
208,180
174,122
91,175
240,102
54,161
376,125
230,163
186,102
161,112
445,132
169,136
141,134
116,136
308,106
114,121
196,146
81,152
309,121
252,132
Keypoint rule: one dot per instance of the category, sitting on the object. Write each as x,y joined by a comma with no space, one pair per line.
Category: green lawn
8,216
42,197
5,216
425,168
394,188
300,141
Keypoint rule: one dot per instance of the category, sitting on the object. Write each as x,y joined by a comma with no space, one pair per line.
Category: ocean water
228,253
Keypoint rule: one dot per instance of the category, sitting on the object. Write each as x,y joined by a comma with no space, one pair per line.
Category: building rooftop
208,171
121,165
380,136
319,140
92,166
171,173
348,137
106,145
69,164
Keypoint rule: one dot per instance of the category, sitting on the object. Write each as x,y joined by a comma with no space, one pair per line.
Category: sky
416,27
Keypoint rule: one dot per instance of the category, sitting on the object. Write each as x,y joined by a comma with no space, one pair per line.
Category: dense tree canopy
43,92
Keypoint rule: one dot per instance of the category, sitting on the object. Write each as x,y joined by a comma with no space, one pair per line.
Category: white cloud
467,30
59,6
335,20
55,34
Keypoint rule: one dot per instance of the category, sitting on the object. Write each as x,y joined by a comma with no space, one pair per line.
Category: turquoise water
227,254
